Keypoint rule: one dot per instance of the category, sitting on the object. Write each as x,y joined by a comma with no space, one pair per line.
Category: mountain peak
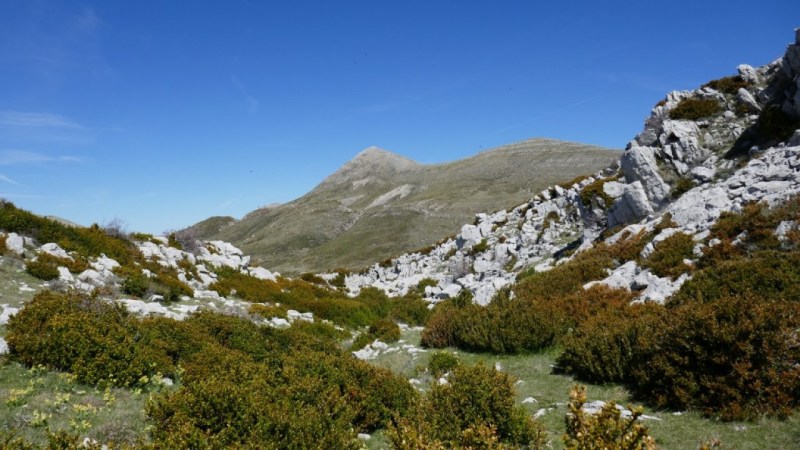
370,162
382,156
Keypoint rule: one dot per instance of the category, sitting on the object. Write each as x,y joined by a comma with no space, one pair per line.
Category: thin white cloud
15,157
18,119
7,180
252,102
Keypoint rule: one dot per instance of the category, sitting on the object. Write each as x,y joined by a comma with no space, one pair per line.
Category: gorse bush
242,385
694,109
476,407
442,362
518,325
84,335
728,85
595,190
736,357
768,274
87,242
383,330
45,266
667,258
371,304
726,343
605,347
605,429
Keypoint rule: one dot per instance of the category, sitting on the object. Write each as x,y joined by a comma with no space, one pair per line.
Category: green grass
686,430
35,400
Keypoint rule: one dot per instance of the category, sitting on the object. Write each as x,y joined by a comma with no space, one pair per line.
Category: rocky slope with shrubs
702,154
674,273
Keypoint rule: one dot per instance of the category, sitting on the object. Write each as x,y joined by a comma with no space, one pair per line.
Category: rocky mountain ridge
346,219
692,168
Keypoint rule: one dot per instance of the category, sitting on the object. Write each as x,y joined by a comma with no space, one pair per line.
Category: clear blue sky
165,113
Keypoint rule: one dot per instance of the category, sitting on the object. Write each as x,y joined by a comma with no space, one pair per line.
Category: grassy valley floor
676,429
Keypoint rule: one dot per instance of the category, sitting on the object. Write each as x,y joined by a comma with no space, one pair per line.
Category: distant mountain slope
381,204
212,225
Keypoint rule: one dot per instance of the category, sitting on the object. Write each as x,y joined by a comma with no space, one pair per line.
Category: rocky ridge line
668,154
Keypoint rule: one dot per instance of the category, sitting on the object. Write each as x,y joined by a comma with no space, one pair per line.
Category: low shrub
728,85
768,274
410,310
476,406
313,278
170,287
96,341
136,284
88,242
479,247
605,429
42,270
518,325
736,358
667,258
681,186
384,330
46,266
694,109
605,347
268,311
565,278
442,362
423,283
595,190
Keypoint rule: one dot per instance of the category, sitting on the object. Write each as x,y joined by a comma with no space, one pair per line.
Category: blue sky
164,113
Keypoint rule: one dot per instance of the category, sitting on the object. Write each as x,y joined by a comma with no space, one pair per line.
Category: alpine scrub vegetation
606,429
725,344
474,409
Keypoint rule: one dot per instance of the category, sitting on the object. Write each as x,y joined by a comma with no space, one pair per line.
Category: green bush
477,404
88,337
736,358
768,274
681,186
605,346
268,311
694,109
170,287
595,190
479,247
384,330
136,284
425,282
667,258
605,429
46,266
42,270
87,242
733,357
442,362
728,85
518,325
313,278
410,310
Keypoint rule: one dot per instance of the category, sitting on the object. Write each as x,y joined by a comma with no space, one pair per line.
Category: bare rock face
639,165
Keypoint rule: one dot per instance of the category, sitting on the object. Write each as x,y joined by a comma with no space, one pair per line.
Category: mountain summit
371,163
380,204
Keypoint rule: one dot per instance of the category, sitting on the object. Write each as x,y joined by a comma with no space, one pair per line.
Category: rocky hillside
380,204
702,153
672,275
